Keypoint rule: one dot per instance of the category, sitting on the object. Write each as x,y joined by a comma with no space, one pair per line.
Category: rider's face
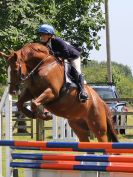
44,37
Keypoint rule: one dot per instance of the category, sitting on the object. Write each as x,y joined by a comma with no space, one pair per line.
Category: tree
122,76
22,18
77,21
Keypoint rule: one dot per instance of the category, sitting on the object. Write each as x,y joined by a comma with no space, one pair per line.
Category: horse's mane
36,47
31,49
28,49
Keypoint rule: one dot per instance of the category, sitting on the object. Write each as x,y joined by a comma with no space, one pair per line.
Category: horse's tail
112,134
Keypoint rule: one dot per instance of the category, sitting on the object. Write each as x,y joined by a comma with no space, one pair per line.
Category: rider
64,50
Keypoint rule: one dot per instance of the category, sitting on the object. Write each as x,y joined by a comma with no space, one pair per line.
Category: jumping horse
43,78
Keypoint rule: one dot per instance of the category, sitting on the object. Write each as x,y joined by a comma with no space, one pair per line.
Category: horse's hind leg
80,129
98,125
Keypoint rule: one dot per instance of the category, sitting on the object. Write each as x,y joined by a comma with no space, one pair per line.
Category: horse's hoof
44,116
33,106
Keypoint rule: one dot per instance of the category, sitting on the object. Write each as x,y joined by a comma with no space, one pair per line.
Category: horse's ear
11,51
2,54
12,58
15,56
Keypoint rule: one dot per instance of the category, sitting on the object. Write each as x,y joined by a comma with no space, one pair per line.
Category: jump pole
70,162
71,157
72,146
74,165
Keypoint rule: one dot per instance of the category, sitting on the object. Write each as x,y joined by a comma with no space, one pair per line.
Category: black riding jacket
62,49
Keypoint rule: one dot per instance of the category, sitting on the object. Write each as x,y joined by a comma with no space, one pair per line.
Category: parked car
108,92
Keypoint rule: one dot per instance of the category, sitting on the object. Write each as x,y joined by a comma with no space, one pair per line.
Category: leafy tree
77,21
124,69
95,72
122,76
22,18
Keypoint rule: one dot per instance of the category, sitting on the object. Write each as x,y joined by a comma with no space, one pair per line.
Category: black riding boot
83,96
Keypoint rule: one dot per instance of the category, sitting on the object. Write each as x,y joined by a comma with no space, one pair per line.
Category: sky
121,34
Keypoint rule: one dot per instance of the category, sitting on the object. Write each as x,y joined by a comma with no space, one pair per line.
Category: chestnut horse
43,78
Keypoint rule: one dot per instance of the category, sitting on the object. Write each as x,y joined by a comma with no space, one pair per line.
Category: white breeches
76,64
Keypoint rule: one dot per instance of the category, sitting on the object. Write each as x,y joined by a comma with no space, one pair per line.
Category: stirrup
83,97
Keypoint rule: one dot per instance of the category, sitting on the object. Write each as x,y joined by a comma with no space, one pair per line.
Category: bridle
24,78
20,73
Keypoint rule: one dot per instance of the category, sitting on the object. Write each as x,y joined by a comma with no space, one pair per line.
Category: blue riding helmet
46,29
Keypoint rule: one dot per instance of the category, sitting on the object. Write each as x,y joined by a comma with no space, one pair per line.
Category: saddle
70,80
69,73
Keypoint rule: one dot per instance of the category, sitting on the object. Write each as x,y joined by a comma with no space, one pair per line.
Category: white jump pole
0,147
6,102
2,104
8,126
8,134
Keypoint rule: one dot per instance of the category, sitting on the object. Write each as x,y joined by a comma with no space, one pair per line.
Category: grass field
48,137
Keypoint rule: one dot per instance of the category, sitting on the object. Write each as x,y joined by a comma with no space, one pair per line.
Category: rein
32,71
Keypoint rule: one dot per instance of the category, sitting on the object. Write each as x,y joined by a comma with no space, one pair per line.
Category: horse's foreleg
24,97
47,96
44,98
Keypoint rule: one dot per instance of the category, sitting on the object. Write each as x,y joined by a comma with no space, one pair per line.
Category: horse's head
26,61
15,71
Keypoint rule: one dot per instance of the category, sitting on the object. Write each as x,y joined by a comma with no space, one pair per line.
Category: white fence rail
61,130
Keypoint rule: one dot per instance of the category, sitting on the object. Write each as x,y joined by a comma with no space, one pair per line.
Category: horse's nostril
12,92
